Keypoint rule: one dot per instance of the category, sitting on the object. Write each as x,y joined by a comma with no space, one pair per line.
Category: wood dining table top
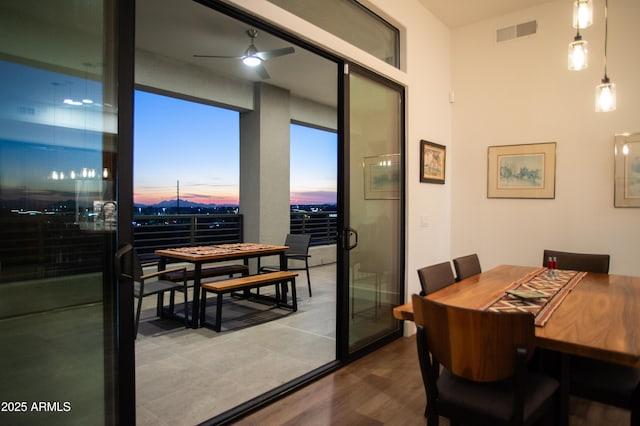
221,252
599,318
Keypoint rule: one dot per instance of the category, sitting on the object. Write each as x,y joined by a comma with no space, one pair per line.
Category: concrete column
264,166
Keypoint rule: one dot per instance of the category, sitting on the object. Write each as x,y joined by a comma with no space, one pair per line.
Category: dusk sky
198,145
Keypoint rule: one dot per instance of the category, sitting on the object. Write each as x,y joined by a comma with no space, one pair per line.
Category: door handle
348,232
124,263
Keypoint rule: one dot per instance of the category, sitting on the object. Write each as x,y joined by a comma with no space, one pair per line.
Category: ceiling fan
252,57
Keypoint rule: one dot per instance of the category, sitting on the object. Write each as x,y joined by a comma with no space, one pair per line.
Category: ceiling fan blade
275,53
217,56
262,72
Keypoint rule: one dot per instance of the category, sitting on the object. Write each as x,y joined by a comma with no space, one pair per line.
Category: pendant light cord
578,36
606,35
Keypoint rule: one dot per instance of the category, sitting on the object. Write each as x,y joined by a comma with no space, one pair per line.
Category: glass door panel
57,215
375,208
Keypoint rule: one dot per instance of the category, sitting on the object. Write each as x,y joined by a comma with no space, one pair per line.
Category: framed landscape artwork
382,177
432,162
522,171
627,170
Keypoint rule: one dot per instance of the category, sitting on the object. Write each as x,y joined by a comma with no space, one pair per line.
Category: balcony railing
155,232
321,225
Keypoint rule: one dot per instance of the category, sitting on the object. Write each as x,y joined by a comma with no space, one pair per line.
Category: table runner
555,288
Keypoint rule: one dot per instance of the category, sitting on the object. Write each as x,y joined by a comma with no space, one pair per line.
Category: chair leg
635,415
294,296
138,316
203,305
186,309
218,325
308,277
433,419
172,301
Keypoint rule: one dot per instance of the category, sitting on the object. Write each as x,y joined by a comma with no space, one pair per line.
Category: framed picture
522,171
627,170
382,177
432,162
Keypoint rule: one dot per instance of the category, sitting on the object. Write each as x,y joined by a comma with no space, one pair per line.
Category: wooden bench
213,271
248,283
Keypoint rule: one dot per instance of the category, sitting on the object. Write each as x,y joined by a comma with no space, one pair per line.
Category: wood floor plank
385,388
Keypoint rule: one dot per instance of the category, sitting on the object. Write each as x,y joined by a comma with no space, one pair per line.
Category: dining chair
466,266
484,377
151,283
298,251
434,277
591,379
577,261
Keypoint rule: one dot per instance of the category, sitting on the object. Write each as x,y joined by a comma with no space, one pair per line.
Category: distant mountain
183,203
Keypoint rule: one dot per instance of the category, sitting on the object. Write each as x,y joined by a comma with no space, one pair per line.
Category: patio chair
298,251
149,284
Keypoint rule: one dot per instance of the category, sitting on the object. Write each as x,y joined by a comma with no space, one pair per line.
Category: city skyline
204,132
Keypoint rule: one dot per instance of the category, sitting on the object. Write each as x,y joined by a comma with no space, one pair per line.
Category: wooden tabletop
221,252
598,319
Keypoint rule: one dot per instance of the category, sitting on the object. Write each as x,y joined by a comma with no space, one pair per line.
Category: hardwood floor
385,388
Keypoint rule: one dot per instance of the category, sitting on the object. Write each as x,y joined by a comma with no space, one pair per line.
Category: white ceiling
457,13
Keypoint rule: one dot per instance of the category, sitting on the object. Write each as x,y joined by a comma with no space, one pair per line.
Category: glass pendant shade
582,13
578,54
605,96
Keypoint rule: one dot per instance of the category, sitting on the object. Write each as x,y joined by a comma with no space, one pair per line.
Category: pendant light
578,53
578,58
582,13
606,91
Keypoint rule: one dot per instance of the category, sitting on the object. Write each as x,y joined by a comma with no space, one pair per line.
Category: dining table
200,255
597,318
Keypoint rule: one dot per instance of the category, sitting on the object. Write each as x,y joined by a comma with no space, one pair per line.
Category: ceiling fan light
251,61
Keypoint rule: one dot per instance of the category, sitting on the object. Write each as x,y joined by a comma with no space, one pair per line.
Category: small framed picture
522,171
432,162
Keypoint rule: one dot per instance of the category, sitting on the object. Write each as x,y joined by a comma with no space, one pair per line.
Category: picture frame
522,171
627,170
432,162
382,177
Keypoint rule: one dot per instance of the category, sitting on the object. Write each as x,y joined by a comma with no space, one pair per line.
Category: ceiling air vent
514,31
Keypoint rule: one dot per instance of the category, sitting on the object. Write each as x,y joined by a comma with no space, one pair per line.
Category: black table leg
195,305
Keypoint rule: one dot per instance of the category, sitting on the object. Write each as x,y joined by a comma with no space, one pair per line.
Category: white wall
520,91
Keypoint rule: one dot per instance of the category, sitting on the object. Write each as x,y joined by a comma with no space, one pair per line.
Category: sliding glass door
374,208
58,214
